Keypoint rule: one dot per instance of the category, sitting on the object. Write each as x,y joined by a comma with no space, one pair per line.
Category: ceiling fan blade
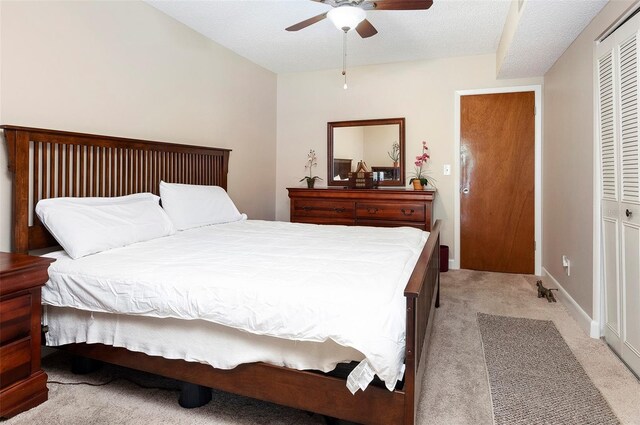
397,5
365,29
307,22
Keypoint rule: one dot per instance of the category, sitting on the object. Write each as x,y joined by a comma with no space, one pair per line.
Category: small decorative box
362,178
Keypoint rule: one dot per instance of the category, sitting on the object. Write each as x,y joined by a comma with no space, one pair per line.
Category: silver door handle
465,190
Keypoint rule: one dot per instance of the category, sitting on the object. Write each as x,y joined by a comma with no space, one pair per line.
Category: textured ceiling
255,29
545,30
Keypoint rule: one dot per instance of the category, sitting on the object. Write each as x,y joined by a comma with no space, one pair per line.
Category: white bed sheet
219,346
294,281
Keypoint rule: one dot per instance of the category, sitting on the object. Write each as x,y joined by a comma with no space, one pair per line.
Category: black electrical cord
82,383
119,378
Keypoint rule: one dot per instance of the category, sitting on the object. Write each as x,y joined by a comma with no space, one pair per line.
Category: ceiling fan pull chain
344,57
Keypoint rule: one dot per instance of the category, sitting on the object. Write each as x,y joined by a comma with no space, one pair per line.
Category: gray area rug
535,378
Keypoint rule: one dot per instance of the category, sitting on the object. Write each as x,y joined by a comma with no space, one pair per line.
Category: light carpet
535,378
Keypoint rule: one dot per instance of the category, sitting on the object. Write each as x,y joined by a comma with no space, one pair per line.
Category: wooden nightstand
23,384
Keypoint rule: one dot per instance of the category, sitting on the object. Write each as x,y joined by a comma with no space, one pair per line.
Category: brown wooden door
497,163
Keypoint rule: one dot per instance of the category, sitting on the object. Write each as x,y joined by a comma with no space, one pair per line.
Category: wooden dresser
23,384
363,207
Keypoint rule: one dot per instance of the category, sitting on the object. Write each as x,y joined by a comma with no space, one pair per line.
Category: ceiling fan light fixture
346,16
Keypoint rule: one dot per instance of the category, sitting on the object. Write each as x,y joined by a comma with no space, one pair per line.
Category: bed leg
192,395
83,365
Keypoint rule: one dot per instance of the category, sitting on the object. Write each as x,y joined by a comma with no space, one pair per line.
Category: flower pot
311,183
396,164
417,184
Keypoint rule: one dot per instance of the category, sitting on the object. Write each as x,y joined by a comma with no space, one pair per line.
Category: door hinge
535,245
535,110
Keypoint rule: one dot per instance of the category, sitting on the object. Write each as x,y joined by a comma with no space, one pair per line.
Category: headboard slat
50,170
82,153
36,172
52,163
59,167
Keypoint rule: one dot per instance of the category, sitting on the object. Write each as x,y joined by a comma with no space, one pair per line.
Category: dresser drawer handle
407,212
372,210
335,209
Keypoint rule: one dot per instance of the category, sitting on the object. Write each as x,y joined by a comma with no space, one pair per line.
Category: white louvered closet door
618,126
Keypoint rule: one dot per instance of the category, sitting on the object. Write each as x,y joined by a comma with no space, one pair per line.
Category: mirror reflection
379,143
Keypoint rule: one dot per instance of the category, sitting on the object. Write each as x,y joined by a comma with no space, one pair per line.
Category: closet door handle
466,168
628,213
463,172
407,212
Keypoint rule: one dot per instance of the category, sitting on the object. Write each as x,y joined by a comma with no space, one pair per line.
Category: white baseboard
452,263
589,326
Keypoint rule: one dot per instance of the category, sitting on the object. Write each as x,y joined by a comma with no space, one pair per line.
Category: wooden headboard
51,163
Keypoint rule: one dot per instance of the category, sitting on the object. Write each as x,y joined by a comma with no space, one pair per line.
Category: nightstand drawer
315,208
15,318
389,211
16,362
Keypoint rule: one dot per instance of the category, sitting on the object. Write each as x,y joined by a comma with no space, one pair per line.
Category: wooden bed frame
50,163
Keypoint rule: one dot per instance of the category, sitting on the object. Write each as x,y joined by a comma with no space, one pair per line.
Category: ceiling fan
349,14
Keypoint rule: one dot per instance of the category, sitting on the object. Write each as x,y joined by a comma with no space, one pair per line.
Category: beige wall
422,92
568,156
126,69
380,139
508,31
348,143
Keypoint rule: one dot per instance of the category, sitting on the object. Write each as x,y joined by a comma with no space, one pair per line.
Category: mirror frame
357,123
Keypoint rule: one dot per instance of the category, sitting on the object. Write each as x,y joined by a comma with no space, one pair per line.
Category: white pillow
191,206
84,226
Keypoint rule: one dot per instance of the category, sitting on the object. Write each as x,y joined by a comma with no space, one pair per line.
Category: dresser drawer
325,220
389,223
16,362
390,211
320,208
15,318
362,207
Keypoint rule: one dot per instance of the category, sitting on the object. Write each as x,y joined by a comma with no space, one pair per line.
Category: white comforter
296,281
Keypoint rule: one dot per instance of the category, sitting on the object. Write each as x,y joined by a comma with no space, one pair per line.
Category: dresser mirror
379,143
